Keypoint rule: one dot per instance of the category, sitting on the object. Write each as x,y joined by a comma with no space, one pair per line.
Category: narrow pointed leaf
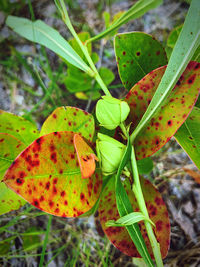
43,34
124,207
83,36
137,54
136,11
173,113
10,147
157,212
188,136
18,127
86,156
171,41
47,175
129,219
69,119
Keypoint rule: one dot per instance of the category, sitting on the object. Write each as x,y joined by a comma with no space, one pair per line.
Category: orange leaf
48,176
86,157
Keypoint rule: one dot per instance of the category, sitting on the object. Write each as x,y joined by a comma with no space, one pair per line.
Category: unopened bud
109,152
111,112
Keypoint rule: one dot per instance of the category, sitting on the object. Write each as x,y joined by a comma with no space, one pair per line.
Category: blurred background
34,81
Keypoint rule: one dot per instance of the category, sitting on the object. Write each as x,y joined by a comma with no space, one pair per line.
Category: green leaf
95,57
186,45
188,136
93,95
137,54
157,211
69,119
164,124
171,41
48,176
145,165
124,207
18,127
108,23
5,246
43,34
78,81
139,262
129,219
83,36
173,36
106,17
10,147
136,11
107,76
31,240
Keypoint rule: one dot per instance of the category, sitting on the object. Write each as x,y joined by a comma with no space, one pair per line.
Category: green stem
123,128
44,88
84,49
137,190
45,241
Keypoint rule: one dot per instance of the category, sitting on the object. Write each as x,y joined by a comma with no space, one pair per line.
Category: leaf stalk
93,71
137,190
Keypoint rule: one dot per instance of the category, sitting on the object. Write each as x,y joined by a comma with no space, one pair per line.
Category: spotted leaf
171,41
188,136
17,126
157,212
10,147
47,175
137,54
86,156
69,119
171,115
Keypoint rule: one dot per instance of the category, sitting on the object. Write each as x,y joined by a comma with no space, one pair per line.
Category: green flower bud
109,152
111,112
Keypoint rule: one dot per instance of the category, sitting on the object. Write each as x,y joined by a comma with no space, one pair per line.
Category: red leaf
172,114
157,212
47,175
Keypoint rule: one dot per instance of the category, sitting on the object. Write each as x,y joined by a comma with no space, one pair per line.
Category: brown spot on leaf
169,122
159,225
53,157
20,181
62,193
47,185
191,79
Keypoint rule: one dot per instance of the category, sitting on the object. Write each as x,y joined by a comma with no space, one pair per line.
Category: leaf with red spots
157,212
171,41
86,156
17,126
47,175
69,119
10,147
171,115
188,136
137,54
